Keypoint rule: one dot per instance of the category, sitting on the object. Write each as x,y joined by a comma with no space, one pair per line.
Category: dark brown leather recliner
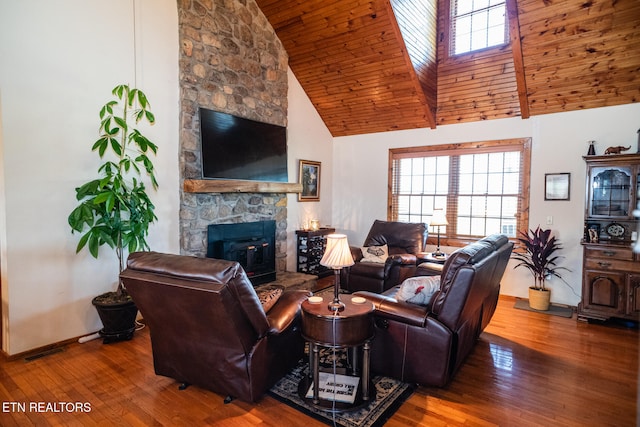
428,344
208,327
403,239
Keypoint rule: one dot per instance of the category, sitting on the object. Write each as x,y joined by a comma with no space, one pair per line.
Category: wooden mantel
238,186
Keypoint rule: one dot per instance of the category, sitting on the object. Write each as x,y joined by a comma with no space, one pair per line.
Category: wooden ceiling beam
518,59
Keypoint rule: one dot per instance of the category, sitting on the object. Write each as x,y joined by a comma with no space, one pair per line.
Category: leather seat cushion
368,269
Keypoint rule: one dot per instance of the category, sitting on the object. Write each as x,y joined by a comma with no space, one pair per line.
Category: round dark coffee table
349,329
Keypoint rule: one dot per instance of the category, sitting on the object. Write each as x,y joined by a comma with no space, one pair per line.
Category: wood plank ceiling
381,65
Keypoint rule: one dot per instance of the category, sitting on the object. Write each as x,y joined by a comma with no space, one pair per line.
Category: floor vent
42,354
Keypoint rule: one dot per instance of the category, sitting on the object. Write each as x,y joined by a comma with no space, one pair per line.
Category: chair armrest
422,257
286,310
402,259
390,308
429,269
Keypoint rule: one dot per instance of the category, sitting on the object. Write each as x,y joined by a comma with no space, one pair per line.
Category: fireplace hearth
252,244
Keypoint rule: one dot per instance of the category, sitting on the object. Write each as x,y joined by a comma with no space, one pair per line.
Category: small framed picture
592,232
309,177
556,186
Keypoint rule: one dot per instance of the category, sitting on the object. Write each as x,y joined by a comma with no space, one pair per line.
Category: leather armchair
208,327
428,344
403,239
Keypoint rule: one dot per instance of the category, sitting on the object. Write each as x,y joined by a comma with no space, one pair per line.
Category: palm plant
538,255
115,208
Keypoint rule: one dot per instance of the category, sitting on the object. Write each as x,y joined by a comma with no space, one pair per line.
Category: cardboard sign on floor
338,388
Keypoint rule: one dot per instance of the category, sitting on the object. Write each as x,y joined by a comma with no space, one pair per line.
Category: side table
429,265
349,329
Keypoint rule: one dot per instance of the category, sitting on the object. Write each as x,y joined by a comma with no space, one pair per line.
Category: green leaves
115,209
108,108
120,90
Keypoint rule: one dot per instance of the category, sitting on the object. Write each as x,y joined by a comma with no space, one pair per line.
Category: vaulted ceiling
381,65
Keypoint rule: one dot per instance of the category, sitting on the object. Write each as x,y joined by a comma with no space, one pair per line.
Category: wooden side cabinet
611,271
606,290
310,247
633,285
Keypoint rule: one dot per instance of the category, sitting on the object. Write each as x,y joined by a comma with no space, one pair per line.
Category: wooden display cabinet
611,271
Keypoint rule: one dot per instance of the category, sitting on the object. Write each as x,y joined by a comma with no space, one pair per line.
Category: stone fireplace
252,244
231,61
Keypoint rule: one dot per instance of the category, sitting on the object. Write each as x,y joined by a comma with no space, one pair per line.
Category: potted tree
537,253
114,208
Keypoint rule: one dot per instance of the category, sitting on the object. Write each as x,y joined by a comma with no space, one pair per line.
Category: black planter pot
118,319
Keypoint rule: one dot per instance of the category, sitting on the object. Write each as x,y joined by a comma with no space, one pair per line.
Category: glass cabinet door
610,192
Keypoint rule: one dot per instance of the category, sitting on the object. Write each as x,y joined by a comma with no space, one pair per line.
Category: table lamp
438,219
336,256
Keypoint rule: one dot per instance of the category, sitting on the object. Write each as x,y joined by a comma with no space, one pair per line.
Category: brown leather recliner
403,239
428,344
208,327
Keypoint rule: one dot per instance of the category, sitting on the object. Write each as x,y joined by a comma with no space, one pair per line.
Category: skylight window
477,24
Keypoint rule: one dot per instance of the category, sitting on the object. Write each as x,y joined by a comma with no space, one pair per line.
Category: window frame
523,145
448,37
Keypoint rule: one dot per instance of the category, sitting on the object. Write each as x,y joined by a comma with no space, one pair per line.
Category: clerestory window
477,24
483,187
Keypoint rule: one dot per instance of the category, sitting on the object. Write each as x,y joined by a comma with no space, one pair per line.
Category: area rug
554,310
390,394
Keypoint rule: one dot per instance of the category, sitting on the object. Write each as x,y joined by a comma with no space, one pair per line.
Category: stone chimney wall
230,61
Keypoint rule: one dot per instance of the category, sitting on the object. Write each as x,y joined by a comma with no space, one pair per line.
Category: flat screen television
239,148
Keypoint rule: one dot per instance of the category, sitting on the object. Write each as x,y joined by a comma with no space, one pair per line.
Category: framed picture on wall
556,186
309,177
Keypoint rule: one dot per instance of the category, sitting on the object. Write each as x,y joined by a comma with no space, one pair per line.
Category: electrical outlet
549,220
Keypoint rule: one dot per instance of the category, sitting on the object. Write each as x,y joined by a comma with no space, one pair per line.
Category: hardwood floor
528,369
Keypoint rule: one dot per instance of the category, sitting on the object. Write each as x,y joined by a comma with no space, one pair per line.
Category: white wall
60,61
559,141
309,139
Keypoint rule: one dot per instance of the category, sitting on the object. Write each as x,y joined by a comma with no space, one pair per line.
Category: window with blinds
482,187
477,24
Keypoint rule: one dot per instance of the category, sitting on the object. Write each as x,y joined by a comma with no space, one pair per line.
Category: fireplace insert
252,244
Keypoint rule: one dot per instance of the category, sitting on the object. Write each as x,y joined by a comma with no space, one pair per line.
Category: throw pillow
375,253
269,295
419,289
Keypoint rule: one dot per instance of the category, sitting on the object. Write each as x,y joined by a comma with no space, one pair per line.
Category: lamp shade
438,217
337,254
